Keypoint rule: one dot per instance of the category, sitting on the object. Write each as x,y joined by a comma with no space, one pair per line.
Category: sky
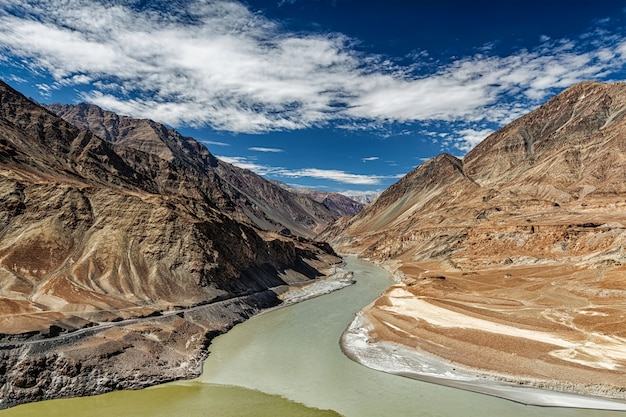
337,95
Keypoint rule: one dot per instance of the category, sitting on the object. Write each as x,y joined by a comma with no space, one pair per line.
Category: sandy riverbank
417,364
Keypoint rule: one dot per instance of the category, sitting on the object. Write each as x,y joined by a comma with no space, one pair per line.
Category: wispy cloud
317,173
261,149
466,139
370,158
214,143
220,64
334,175
245,163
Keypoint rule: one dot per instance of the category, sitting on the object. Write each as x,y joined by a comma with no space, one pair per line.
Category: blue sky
339,95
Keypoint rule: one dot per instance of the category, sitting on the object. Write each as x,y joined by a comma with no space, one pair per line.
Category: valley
122,259
314,208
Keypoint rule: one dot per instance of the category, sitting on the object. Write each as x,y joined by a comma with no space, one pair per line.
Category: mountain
560,161
337,203
527,231
363,198
117,263
243,194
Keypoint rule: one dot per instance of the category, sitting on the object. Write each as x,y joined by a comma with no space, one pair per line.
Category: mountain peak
583,117
571,148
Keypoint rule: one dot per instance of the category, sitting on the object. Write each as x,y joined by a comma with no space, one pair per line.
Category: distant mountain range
363,198
338,203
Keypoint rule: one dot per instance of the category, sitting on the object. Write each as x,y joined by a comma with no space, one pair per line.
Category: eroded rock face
527,231
129,355
94,232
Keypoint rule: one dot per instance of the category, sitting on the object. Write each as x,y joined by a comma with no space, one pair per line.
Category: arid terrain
126,247
119,262
242,194
511,260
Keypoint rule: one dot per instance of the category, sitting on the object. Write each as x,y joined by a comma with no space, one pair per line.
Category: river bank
137,353
393,358
293,353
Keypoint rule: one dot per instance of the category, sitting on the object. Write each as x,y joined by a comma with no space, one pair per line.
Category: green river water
288,362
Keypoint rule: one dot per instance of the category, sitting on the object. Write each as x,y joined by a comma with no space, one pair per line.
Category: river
288,362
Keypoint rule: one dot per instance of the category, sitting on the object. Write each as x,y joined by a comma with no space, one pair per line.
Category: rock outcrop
94,232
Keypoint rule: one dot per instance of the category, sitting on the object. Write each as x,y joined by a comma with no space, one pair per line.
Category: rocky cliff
521,243
94,232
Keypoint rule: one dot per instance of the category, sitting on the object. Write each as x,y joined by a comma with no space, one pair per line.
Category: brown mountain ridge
241,193
95,233
526,233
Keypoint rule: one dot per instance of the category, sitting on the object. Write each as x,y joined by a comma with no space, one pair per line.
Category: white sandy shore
411,363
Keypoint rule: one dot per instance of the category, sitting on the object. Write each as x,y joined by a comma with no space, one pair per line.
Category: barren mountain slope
514,257
93,232
245,195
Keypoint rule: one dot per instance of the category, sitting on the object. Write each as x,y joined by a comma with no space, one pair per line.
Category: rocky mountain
527,231
560,161
105,246
243,194
337,203
363,198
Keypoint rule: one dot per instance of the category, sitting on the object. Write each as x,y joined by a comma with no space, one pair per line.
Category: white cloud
325,174
242,162
370,158
261,149
214,143
333,175
466,139
220,64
